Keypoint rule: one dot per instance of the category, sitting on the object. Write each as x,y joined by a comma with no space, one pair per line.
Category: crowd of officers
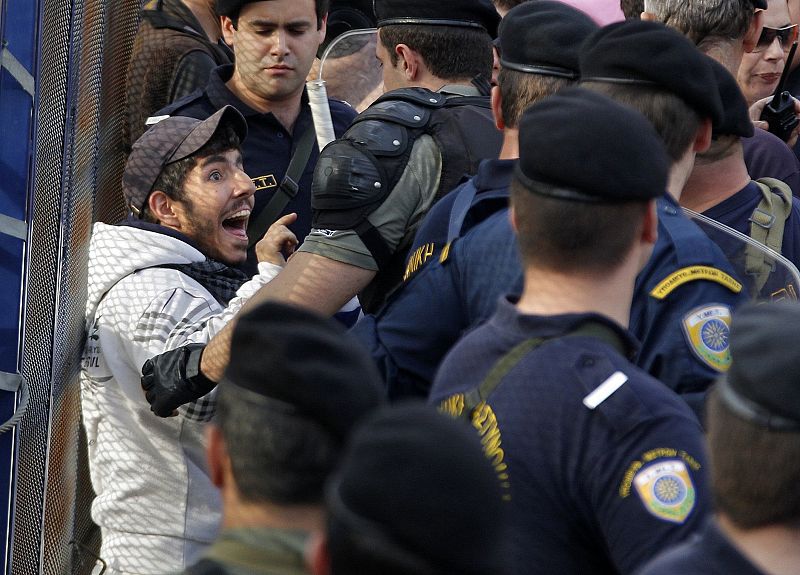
573,245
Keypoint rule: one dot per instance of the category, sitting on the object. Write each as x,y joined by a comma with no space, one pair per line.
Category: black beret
309,362
650,54
582,146
421,480
544,38
763,381
735,113
464,13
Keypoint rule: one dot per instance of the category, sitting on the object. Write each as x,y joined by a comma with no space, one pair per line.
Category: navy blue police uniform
460,210
682,306
707,553
269,145
592,489
687,286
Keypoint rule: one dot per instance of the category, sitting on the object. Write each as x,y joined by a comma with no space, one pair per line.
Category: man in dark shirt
274,43
754,448
720,187
603,466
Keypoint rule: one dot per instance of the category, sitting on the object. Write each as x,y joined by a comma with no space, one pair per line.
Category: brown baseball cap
172,139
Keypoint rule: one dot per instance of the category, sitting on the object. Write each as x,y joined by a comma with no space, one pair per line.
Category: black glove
174,378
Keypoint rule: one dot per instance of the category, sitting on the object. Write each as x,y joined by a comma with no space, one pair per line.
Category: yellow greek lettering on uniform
421,255
627,479
659,452
693,273
485,423
690,461
453,405
265,182
445,253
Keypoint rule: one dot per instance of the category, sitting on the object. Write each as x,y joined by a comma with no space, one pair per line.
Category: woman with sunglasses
760,70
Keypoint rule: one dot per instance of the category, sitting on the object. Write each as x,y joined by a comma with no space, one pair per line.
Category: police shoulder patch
694,273
707,330
666,489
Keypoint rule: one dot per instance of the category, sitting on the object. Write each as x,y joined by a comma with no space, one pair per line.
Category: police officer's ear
410,62
497,108
702,139
650,223
216,456
318,558
162,209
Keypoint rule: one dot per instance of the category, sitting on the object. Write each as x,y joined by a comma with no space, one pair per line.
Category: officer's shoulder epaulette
607,391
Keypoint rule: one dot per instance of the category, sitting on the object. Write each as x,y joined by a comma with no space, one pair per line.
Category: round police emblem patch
669,490
714,335
707,331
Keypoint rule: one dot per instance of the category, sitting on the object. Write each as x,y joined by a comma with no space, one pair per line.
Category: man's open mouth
236,224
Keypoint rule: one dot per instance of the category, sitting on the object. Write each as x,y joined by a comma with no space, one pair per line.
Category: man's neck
775,549
711,184
203,10
286,111
510,149
549,292
727,52
435,83
241,514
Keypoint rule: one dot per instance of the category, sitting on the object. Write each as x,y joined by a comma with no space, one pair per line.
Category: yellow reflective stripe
692,273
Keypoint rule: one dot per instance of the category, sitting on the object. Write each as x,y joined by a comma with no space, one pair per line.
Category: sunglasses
786,36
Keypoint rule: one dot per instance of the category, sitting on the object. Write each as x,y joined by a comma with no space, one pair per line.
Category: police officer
438,513
274,44
754,448
721,188
602,465
538,43
321,385
433,125
688,288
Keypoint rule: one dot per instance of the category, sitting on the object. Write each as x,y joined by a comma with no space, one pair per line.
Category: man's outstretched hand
173,378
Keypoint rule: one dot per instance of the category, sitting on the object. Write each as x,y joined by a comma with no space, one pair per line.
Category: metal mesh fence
85,47
38,354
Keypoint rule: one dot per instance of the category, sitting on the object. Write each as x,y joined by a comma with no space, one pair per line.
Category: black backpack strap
592,328
287,189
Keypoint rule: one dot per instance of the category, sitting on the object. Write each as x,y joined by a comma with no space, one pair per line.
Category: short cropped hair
518,90
276,455
699,20
449,52
507,4
322,7
632,9
672,118
754,471
172,179
570,236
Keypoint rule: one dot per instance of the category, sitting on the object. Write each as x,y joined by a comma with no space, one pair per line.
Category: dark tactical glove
174,378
